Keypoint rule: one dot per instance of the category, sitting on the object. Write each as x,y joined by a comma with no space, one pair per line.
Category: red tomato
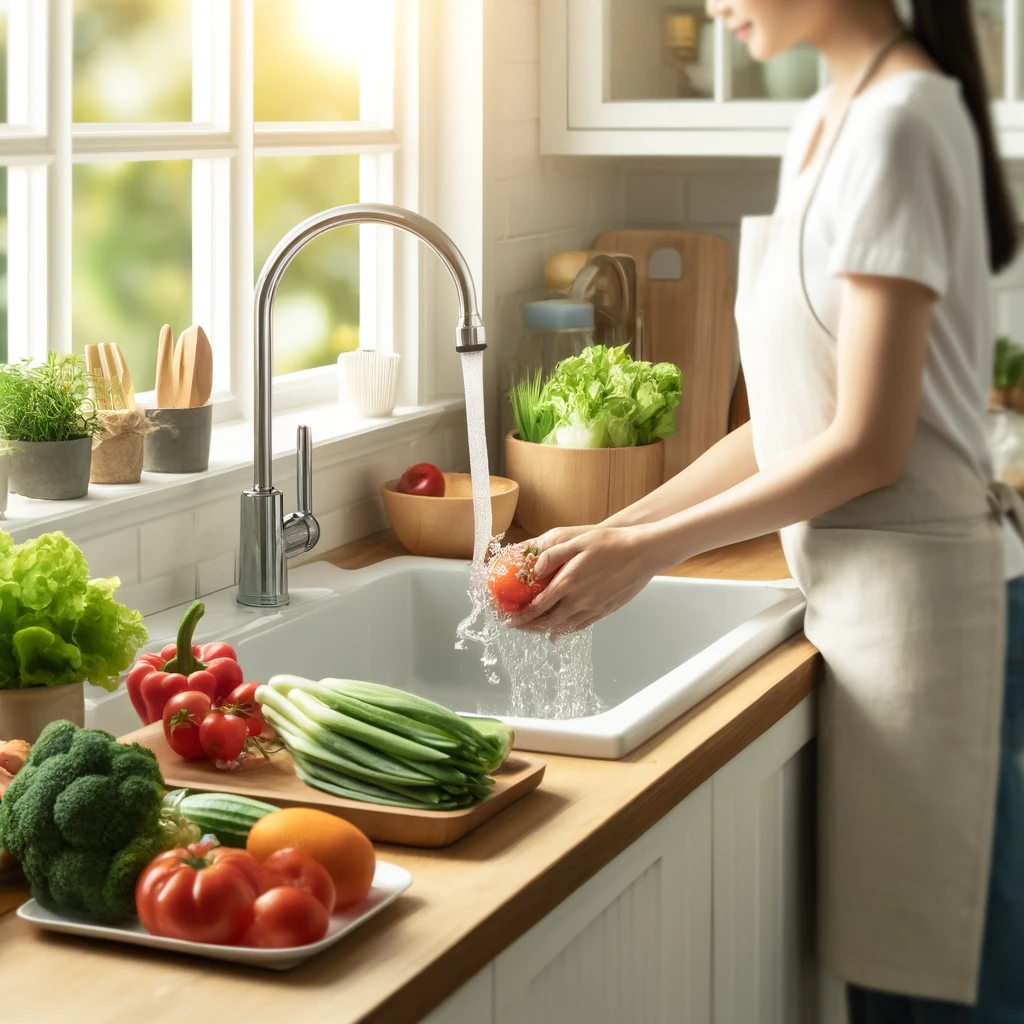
284,916
183,716
511,579
244,697
297,869
223,736
424,479
199,894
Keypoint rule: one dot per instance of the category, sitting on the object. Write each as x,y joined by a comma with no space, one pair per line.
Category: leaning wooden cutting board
687,308
275,782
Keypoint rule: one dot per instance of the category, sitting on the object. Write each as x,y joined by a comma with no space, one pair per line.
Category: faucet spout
268,539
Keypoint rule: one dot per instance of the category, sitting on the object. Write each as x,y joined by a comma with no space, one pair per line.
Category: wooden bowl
443,527
579,486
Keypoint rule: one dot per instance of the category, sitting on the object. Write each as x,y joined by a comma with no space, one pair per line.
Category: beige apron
906,601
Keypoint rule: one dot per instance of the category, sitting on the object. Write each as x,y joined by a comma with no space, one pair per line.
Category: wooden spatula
193,368
124,377
109,366
166,386
98,382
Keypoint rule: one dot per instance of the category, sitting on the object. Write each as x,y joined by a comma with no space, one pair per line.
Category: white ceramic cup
368,381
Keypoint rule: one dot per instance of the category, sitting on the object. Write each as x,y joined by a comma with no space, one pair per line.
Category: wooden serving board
275,782
686,288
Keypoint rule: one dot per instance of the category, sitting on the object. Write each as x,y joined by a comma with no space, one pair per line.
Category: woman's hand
599,569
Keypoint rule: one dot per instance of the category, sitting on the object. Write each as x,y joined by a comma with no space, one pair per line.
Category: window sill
337,438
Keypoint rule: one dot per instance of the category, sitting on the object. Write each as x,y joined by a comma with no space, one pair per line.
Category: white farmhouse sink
394,623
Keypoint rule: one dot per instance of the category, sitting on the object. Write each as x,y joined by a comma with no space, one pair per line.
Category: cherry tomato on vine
223,735
183,717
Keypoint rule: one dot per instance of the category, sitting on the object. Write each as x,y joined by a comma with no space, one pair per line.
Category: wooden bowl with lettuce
588,440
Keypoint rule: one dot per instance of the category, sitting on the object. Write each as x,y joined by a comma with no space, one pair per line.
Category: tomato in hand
223,735
423,479
244,697
183,717
284,916
511,579
297,869
201,894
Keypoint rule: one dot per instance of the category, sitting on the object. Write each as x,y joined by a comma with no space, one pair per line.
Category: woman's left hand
599,571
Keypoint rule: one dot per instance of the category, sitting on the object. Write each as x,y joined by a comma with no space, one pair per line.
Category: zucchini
225,815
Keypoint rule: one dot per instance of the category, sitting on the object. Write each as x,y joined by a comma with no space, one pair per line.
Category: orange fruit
342,849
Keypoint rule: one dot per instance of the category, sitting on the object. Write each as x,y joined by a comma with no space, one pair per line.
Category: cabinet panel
763,878
632,944
472,1004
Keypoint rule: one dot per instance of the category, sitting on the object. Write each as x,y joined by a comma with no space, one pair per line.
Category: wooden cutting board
275,782
687,306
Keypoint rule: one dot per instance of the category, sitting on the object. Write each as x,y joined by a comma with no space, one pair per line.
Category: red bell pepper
155,678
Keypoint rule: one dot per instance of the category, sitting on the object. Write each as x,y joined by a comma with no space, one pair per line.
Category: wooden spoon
97,382
166,387
124,377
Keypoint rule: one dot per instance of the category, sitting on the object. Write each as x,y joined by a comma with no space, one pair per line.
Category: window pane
3,61
3,265
792,75
307,56
131,258
133,60
316,312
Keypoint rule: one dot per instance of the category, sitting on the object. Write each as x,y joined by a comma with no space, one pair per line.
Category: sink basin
394,623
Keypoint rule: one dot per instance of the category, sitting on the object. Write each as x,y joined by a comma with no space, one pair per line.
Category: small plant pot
25,713
118,459
58,470
182,444
4,465
579,486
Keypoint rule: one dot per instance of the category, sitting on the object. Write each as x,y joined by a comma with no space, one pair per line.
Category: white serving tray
388,882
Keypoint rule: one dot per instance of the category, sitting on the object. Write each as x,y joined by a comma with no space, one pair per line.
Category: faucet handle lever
304,468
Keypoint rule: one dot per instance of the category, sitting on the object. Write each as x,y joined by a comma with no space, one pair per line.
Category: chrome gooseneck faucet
269,537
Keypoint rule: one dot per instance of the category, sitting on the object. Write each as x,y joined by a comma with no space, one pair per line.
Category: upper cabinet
658,77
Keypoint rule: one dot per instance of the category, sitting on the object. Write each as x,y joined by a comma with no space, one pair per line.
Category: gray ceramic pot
182,444
51,469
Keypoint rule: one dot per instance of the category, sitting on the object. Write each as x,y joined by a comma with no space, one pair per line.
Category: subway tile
216,574
217,525
167,544
517,150
722,197
517,28
430,448
518,92
164,592
533,206
116,554
654,198
519,265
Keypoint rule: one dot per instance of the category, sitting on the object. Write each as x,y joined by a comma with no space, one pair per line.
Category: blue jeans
1001,986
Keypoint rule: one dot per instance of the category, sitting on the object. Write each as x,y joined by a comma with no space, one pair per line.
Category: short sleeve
895,215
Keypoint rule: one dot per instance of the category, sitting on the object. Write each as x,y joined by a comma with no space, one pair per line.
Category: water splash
549,679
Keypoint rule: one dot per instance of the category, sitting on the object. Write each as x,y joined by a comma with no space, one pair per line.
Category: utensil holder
368,381
118,459
182,444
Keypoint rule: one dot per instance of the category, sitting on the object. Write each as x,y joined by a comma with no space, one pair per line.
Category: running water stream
549,679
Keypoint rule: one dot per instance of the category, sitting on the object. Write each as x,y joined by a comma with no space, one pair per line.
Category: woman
865,335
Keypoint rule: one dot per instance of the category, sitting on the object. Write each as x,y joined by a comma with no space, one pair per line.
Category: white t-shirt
902,196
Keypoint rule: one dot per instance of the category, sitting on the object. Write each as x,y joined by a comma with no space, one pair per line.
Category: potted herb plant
589,439
48,419
4,460
58,630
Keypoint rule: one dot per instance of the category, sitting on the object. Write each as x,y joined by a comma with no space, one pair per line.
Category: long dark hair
945,29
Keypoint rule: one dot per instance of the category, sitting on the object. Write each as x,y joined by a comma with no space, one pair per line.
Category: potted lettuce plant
588,440
48,419
58,630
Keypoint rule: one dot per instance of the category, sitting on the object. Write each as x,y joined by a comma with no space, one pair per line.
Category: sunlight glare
338,28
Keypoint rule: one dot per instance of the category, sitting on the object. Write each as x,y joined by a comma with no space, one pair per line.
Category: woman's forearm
722,466
818,477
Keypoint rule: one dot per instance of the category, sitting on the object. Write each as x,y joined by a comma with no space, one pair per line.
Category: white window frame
40,145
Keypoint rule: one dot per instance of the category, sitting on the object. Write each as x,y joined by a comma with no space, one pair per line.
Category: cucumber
227,816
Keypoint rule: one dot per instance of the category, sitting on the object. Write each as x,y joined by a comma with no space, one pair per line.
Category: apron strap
866,75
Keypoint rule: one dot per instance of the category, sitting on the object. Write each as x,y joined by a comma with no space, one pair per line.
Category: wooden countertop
467,902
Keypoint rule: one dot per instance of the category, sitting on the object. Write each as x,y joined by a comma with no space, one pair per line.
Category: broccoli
84,817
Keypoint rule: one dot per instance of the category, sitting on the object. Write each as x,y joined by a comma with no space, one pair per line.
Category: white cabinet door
630,945
472,1004
763,850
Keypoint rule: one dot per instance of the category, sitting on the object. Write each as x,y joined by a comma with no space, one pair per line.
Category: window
152,154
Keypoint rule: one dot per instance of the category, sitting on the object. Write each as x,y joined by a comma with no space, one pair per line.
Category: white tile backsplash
217,525
167,544
518,97
162,592
116,554
217,574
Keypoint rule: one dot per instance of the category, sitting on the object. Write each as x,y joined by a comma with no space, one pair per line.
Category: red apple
423,479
